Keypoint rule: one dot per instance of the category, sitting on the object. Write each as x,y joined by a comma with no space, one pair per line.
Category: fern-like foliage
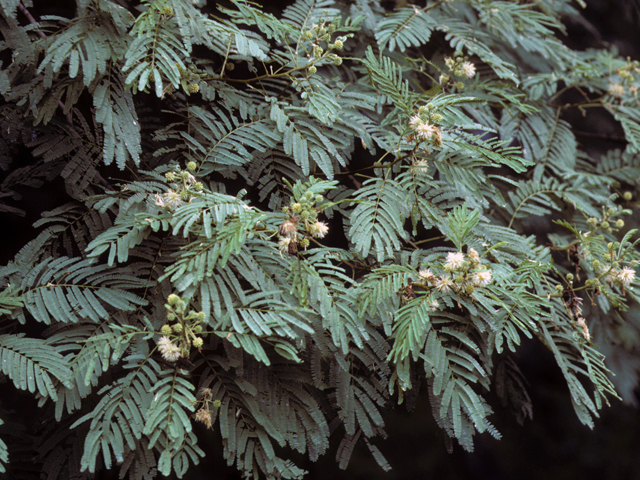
275,227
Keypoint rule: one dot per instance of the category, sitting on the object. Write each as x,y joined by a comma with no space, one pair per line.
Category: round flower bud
198,186
570,277
200,316
458,279
173,299
198,342
296,208
469,289
192,165
559,288
193,88
337,61
304,243
171,316
615,265
309,195
312,69
177,328
308,35
319,198
607,257
185,195
217,403
605,225
627,196
338,44
436,117
610,246
170,176
588,283
611,211
197,329
619,223
166,330
286,210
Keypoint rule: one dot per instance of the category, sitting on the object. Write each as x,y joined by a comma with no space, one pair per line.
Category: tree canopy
273,226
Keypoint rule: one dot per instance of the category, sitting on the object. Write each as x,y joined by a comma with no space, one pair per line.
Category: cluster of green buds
189,79
425,125
462,274
607,222
628,80
613,269
182,330
183,187
302,223
206,402
322,46
458,67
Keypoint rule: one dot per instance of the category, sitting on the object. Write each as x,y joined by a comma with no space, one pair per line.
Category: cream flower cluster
177,339
463,274
425,125
460,67
183,185
303,212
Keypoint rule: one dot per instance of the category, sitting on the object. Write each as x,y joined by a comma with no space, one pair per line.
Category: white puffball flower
480,279
170,352
318,229
454,260
443,284
616,89
626,276
468,69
